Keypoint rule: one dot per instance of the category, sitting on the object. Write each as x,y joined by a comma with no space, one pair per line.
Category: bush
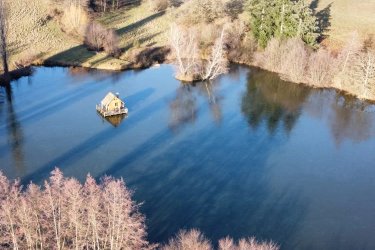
320,71
240,44
270,58
158,5
202,11
74,20
98,38
294,60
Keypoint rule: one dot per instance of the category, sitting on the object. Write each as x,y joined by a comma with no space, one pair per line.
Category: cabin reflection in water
114,120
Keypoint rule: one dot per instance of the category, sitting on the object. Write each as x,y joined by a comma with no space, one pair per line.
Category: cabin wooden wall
112,104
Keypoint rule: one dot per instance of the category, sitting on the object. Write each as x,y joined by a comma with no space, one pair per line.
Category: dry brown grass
34,29
348,16
31,29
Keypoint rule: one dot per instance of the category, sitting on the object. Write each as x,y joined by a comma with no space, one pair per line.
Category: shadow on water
184,106
55,103
196,189
14,130
93,142
349,118
193,173
270,100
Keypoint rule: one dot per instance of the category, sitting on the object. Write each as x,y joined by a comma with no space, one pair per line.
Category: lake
246,155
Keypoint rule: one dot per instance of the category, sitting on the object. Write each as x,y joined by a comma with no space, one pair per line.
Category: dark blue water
246,155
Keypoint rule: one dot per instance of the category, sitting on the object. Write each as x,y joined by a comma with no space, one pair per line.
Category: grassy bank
346,16
143,34
36,31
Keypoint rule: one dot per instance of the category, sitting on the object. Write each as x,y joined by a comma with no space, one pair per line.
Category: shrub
233,8
98,38
240,44
202,11
158,5
74,19
294,60
270,58
320,71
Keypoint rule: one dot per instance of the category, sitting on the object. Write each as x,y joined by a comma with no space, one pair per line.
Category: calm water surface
245,155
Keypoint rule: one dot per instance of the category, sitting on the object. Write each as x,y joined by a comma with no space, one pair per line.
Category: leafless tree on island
185,51
217,63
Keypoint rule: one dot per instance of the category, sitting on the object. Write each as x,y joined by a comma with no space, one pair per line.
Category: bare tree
67,215
217,63
320,70
194,240
351,48
3,38
366,69
294,60
99,38
75,17
188,240
246,244
271,57
185,51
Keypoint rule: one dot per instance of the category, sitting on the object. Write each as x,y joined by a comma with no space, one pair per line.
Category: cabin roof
109,98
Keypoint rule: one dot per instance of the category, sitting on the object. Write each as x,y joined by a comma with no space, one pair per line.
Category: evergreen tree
307,24
282,19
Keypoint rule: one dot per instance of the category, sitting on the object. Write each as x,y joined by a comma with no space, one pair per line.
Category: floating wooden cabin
111,105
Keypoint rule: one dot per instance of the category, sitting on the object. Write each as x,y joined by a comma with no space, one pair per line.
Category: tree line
279,35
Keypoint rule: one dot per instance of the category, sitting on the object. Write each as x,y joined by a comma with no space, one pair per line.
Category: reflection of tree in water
349,119
271,100
208,89
184,107
14,132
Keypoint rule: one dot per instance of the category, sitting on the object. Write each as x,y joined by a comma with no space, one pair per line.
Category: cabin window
115,104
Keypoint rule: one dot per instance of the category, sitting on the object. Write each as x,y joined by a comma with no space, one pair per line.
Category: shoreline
145,63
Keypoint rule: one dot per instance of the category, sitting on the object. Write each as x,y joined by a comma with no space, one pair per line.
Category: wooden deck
107,113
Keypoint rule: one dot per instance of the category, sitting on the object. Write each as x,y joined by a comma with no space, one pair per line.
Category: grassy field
32,32
347,16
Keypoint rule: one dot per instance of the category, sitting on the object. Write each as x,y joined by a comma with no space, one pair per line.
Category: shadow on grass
141,41
72,57
323,18
139,23
114,18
